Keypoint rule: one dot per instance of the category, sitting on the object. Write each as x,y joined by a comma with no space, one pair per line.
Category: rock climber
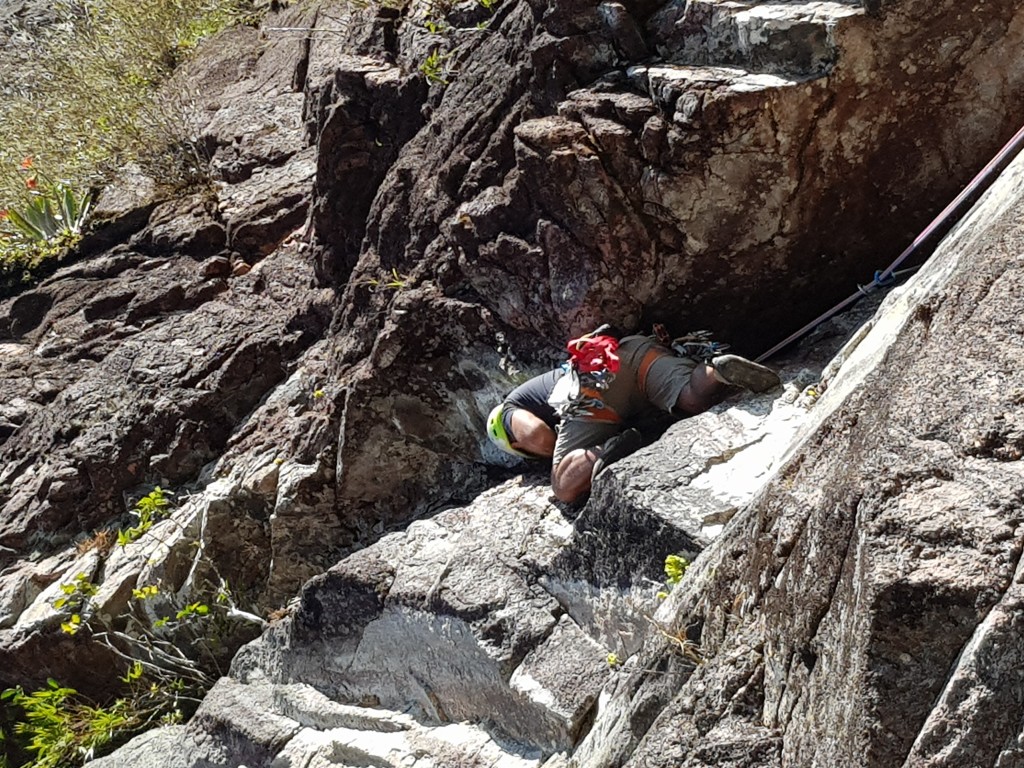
579,415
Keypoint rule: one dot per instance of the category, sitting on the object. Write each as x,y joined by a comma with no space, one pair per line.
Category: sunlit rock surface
305,353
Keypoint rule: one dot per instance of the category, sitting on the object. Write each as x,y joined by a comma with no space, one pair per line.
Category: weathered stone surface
244,722
555,176
141,388
172,381
818,611
770,38
235,726
24,581
446,621
360,115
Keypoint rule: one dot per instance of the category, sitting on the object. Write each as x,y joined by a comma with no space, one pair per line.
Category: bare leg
532,434
570,478
702,391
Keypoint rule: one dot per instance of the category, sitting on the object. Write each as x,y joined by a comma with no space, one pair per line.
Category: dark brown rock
864,599
555,176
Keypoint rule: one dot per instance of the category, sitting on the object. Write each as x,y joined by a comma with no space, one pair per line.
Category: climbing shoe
740,372
615,448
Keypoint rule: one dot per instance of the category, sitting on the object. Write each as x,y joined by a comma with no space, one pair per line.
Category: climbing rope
940,224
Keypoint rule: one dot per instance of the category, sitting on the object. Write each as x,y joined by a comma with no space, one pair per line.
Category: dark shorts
532,396
649,375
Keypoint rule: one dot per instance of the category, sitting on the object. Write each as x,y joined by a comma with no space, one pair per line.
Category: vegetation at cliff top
81,97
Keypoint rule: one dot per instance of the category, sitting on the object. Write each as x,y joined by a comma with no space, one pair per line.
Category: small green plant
58,728
72,625
45,225
396,282
146,592
76,594
75,597
74,601
433,67
151,508
675,569
53,212
191,613
435,26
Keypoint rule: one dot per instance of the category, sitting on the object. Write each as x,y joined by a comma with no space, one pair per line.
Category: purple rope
949,215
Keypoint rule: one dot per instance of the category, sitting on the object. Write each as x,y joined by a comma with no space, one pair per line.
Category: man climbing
579,415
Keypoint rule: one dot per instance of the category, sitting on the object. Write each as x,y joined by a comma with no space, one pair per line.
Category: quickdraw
697,345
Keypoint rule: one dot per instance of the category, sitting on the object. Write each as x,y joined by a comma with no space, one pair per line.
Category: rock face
410,212
817,611
805,634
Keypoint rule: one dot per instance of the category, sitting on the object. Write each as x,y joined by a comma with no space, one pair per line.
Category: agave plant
54,212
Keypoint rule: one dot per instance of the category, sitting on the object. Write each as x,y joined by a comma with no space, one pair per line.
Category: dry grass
80,94
102,541
84,95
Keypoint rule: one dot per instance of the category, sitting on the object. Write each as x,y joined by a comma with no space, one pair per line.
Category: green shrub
56,727
74,600
173,651
83,99
152,507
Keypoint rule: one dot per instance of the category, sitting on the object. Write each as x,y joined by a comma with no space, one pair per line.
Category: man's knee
565,493
570,478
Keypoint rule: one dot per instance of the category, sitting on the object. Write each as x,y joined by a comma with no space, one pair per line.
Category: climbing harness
939,226
591,368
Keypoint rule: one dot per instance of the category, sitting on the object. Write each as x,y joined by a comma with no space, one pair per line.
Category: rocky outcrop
486,614
816,615
411,211
586,181
804,634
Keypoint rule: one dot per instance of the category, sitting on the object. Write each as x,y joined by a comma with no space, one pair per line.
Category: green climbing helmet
496,431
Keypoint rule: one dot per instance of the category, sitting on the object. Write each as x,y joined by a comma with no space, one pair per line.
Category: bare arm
570,478
532,434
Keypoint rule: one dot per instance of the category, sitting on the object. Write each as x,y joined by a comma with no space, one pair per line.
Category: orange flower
26,163
30,182
3,214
